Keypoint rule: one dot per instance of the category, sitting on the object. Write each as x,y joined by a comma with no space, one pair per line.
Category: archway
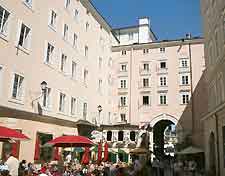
212,153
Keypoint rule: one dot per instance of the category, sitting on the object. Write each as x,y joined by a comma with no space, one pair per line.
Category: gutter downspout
217,145
130,69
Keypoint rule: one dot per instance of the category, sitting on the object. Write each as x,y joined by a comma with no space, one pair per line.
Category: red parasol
37,149
106,152
99,152
86,157
71,141
8,133
56,156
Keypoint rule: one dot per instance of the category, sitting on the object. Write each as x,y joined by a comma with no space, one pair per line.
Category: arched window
120,136
132,135
109,135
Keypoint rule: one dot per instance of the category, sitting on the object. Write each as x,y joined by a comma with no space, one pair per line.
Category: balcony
122,73
144,72
162,70
184,69
122,90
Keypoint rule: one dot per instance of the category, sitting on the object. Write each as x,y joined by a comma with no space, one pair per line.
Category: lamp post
44,87
99,114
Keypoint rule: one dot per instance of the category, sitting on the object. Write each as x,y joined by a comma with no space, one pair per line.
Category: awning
190,151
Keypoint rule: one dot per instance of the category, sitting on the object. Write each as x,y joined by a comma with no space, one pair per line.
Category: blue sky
170,19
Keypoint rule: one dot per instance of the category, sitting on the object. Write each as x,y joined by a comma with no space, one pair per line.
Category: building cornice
159,44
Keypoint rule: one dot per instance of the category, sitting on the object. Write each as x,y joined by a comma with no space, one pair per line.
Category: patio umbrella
106,152
37,149
99,153
86,157
8,133
71,141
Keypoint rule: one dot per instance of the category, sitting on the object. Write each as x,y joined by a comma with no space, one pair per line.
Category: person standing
12,163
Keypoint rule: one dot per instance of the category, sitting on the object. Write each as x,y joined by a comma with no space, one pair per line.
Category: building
52,42
214,121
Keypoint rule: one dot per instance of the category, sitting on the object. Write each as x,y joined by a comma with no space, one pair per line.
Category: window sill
62,113
163,104
183,85
4,37
26,51
49,65
29,6
52,27
16,101
46,109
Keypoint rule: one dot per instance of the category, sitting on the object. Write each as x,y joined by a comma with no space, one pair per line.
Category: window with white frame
53,17
76,14
131,36
185,79
85,76
145,100
67,3
75,40
145,51
28,2
100,85
123,67
74,70
25,36
86,51
99,62
124,52
63,63
123,117
145,82
123,84
18,85
85,111
4,20
163,65
49,53
46,98
163,81
87,26
65,32
185,97
146,67
162,99
73,106
162,50
110,62
184,62
123,101
62,102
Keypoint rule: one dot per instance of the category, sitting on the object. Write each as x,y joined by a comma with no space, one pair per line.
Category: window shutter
18,32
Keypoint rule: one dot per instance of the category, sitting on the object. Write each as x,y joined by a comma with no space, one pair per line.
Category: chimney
144,30
188,36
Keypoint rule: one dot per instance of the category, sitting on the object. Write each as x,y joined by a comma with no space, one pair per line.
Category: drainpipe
130,80
217,144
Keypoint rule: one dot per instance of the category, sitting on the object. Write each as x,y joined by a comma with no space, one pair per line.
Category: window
63,63
162,65
162,99
49,54
184,63
87,26
123,84
145,51
85,111
85,76
74,70
18,82
123,67
123,101
145,100
99,85
184,80
146,67
131,36
124,52
145,82
120,136
28,2
163,81
86,51
74,40
65,32
46,98
73,106
162,50
109,135
62,101
110,62
53,19
123,117
4,20
185,97
67,3
25,36
76,14
99,62
132,135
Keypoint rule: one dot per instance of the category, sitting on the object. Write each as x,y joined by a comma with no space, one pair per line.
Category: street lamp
99,114
44,87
